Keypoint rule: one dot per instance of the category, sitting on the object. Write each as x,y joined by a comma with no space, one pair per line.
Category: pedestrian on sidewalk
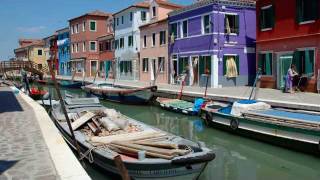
289,78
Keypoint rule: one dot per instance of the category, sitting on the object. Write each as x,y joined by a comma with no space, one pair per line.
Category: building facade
84,31
50,47
213,39
31,50
127,40
64,51
288,32
154,66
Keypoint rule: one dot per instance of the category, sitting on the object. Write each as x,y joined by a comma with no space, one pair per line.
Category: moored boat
70,84
296,130
180,106
36,93
122,95
146,152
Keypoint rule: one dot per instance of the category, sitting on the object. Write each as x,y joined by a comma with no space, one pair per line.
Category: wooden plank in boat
82,120
127,137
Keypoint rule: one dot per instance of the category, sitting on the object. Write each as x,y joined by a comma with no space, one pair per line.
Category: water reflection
237,158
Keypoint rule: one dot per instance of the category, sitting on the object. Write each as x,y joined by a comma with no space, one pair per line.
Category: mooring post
62,103
121,167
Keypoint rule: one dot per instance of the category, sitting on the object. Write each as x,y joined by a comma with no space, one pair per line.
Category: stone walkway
23,151
305,101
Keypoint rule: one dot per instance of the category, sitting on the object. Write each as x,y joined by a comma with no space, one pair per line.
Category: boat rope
88,155
204,167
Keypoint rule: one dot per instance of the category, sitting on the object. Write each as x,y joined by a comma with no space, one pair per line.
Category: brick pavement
23,151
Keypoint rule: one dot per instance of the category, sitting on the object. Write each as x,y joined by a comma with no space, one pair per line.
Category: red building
288,32
84,31
106,56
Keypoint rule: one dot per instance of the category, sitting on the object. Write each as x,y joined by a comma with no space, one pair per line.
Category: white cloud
34,29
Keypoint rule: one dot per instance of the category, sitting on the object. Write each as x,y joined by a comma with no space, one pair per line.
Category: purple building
214,37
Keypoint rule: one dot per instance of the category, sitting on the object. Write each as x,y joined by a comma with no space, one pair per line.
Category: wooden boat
36,93
121,95
70,84
166,155
296,130
177,105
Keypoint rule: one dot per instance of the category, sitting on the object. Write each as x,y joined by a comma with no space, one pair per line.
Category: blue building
64,51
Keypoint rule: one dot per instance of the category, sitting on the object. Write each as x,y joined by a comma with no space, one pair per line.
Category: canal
237,158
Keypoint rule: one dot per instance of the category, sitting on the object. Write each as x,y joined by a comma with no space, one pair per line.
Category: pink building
154,66
84,31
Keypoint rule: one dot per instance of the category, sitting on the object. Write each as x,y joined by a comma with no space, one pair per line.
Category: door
94,66
195,67
284,62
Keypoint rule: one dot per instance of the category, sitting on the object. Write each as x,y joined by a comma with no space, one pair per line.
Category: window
108,45
121,42
116,44
143,16
77,47
93,46
79,66
184,30
122,19
183,64
267,17
231,24
206,24
72,30
130,41
93,26
131,16
265,63
307,10
231,66
145,64
100,47
84,47
144,41
161,64
117,21
304,62
153,39
77,28
72,48
204,65
162,37
39,52
154,12
174,31
84,26
125,67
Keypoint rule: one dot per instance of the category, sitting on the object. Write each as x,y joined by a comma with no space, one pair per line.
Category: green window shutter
238,64
309,62
237,25
201,65
269,64
296,61
224,65
315,10
299,11
272,16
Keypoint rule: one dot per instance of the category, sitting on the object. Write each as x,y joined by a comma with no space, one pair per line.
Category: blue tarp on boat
291,115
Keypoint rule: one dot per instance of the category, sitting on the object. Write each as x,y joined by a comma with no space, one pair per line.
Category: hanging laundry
231,68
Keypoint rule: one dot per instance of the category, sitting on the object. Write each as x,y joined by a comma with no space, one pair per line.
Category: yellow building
31,50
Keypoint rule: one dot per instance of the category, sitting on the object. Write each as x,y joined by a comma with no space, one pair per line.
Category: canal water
237,158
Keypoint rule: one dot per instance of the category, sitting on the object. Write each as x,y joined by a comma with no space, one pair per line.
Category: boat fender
194,160
209,116
234,124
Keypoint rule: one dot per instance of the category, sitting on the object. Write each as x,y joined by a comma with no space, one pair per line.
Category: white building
127,39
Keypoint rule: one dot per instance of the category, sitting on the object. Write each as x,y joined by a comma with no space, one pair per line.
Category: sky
40,18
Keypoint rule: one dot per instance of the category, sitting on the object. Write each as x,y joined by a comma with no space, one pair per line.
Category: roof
202,3
62,30
166,3
137,5
155,22
93,13
32,42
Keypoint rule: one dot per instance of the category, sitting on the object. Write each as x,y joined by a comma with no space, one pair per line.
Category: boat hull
72,85
135,97
139,171
303,140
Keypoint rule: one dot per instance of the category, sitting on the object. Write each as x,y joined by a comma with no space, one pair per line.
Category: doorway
284,62
195,67
93,68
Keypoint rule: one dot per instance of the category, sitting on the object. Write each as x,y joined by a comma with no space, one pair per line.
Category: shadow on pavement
9,102
5,165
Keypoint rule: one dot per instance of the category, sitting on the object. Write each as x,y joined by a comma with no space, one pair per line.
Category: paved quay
300,100
30,145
